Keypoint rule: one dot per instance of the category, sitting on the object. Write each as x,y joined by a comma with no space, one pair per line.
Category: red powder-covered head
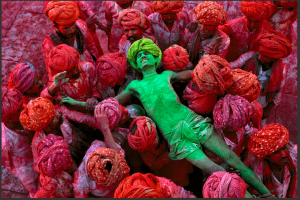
210,13
164,7
175,58
288,4
11,103
133,17
62,12
256,10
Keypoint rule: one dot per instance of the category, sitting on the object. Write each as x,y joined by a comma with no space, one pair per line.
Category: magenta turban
11,102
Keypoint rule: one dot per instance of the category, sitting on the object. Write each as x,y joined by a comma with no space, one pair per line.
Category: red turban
138,192
273,44
175,58
133,17
199,101
269,139
256,10
122,2
224,185
96,166
139,180
288,4
38,114
257,113
213,74
111,68
12,101
142,134
210,13
63,58
245,84
164,7
232,113
53,155
62,12
22,77
112,109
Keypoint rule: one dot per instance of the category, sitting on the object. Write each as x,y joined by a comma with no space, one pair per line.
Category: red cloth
199,101
62,12
164,7
97,162
133,17
212,74
142,134
175,58
111,68
53,156
288,4
224,185
138,192
125,114
38,114
245,84
210,13
11,102
22,77
257,10
122,2
257,113
268,140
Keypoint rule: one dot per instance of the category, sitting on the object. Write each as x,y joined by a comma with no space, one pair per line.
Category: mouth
144,61
284,160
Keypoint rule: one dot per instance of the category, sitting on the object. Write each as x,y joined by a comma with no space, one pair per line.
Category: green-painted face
144,58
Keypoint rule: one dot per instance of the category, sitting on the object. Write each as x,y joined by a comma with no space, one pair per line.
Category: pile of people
178,93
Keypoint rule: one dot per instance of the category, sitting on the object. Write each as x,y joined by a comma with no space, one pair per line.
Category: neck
150,70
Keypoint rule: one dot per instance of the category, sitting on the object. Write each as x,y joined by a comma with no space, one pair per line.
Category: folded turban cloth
257,113
210,13
143,44
111,68
256,10
135,110
122,2
133,17
288,4
38,114
97,166
213,74
269,139
53,156
231,113
142,136
12,101
245,84
273,44
22,77
62,12
164,7
224,185
62,58
175,58
138,192
112,109
138,180
199,101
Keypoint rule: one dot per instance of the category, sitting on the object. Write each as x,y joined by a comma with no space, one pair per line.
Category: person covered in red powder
168,22
274,159
153,149
69,30
206,38
268,66
15,141
112,11
243,31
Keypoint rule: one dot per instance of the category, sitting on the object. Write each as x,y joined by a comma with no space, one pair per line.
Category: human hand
102,120
91,102
190,66
59,79
91,21
209,50
68,100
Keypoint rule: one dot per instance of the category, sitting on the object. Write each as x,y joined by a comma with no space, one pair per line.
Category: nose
284,153
72,29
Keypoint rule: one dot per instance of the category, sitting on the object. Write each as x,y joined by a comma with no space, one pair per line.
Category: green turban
143,44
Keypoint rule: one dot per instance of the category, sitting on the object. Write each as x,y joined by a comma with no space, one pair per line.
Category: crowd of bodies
177,92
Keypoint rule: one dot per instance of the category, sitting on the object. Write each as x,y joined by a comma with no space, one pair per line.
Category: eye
139,55
134,29
126,31
146,53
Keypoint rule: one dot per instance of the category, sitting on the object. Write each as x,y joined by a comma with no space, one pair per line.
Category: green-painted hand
59,79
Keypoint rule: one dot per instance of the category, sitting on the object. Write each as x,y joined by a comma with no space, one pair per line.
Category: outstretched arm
182,76
123,97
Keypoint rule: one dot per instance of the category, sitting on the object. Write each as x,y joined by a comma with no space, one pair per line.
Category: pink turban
175,58
142,134
133,17
210,13
112,109
22,77
164,7
11,102
111,68
256,10
224,185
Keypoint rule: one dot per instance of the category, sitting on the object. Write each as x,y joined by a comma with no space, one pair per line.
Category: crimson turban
62,12
210,13
257,113
199,101
112,109
212,74
164,7
22,77
273,44
224,185
245,84
269,139
175,58
256,10
53,155
12,101
142,134
288,4
96,166
111,68
38,114
133,17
